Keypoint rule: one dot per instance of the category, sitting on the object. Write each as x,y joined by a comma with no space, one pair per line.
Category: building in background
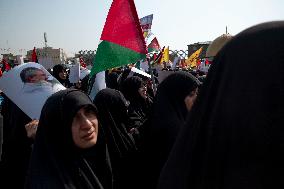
195,46
55,56
8,56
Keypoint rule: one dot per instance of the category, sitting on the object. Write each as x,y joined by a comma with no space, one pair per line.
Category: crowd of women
225,132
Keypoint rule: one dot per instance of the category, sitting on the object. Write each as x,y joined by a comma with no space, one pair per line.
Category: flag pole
152,76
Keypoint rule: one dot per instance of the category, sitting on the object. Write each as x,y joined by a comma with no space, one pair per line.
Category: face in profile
85,128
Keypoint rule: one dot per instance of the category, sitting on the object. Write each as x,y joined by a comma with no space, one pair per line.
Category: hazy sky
77,24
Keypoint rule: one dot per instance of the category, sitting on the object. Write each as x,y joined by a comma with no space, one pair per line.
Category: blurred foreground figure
234,137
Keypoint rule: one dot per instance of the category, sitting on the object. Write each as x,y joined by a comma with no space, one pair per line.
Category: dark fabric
111,80
1,134
56,70
169,114
92,80
85,84
139,107
55,161
112,108
123,75
234,135
130,88
16,148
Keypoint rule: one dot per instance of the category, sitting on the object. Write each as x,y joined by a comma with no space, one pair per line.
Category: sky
77,24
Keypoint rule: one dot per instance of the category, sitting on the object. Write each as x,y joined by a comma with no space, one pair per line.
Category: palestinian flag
157,58
154,45
122,40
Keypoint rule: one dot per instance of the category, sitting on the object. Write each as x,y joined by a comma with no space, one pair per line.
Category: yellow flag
166,55
192,60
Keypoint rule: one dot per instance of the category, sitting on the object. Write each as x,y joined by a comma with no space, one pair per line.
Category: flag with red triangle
122,38
154,45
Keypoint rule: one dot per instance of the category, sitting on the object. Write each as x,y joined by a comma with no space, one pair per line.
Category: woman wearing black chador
69,149
135,91
61,74
234,137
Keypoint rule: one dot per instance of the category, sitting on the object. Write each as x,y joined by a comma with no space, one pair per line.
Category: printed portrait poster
28,86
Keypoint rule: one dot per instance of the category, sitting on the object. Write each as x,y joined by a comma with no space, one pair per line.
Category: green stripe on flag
152,49
110,55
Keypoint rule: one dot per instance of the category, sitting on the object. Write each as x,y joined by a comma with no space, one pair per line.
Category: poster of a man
32,75
28,86
34,79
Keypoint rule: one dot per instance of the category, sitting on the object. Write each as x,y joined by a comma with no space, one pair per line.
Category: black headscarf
169,101
55,72
111,80
85,84
123,75
138,104
130,88
112,108
56,162
16,146
169,114
139,107
234,136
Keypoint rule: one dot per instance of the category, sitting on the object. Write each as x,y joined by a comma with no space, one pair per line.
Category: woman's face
85,128
143,91
63,74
